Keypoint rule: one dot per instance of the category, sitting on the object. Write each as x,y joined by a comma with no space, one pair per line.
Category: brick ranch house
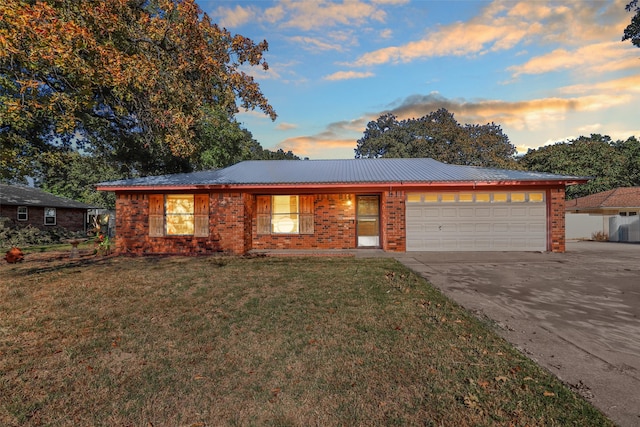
397,205
24,206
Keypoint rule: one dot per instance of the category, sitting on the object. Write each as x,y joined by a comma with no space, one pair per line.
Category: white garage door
505,221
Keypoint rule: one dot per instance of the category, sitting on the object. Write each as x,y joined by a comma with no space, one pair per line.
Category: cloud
607,56
320,14
314,44
503,25
319,148
387,33
306,15
630,84
530,114
235,17
286,126
347,75
332,142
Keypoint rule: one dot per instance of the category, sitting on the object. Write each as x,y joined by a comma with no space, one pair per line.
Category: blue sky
545,71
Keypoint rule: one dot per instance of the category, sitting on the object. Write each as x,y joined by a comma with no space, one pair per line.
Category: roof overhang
329,187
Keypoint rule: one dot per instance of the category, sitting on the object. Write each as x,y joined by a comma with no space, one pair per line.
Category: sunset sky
545,71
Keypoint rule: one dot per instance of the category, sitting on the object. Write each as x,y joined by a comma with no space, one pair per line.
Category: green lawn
200,341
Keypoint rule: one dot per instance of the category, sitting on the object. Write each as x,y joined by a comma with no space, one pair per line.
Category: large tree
439,136
138,81
632,32
610,164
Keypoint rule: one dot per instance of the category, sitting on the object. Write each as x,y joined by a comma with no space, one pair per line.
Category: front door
368,221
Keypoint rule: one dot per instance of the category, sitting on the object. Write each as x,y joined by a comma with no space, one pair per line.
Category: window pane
536,197
50,216
23,213
179,214
285,216
466,197
448,197
483,197
284,223
499,197
518,197
368,205
431,197
413,197
285,204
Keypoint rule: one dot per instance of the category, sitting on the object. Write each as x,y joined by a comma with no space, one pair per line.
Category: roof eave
324,186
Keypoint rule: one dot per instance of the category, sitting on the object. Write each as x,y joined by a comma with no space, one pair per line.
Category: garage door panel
519,211
483,212
449,212
469,227
466,212
500,212
538,211
538,227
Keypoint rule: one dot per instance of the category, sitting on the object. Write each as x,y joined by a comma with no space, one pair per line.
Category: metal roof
21,195
351,171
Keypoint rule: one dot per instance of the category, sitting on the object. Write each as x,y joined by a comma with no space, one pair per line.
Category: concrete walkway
577,313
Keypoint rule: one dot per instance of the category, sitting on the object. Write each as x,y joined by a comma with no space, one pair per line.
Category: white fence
580,226
624,228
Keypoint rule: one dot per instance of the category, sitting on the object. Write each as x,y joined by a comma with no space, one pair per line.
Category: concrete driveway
577,313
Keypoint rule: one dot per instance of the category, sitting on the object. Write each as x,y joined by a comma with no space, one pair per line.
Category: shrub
600,236
22,236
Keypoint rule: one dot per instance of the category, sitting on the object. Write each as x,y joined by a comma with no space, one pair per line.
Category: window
23,213
479,197
465,197
518,197
500,197
414,197
179,215
49,216
286,214
483,197
448,197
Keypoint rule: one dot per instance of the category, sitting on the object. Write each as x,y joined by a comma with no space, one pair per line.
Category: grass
257,341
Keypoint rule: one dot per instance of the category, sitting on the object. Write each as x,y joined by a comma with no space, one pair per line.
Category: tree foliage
632,31
140,82
611,164
439,136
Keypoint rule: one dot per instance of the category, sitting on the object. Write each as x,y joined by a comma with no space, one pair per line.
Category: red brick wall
392,218
557,220
227,222
132,231
334,227
71,219
233,225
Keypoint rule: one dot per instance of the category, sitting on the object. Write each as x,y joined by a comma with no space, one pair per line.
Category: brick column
557,219
393,221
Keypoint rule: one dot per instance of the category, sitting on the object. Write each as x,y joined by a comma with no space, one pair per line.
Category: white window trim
23,212
54,216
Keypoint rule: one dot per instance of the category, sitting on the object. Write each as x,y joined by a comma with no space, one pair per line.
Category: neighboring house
24,205
397,205
614,213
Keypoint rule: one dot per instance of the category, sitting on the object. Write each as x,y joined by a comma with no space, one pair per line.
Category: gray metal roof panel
347,171
21,195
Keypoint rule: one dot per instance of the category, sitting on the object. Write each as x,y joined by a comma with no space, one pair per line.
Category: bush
600,236
23,236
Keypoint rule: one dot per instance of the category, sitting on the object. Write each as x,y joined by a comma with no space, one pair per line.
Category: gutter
327,187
